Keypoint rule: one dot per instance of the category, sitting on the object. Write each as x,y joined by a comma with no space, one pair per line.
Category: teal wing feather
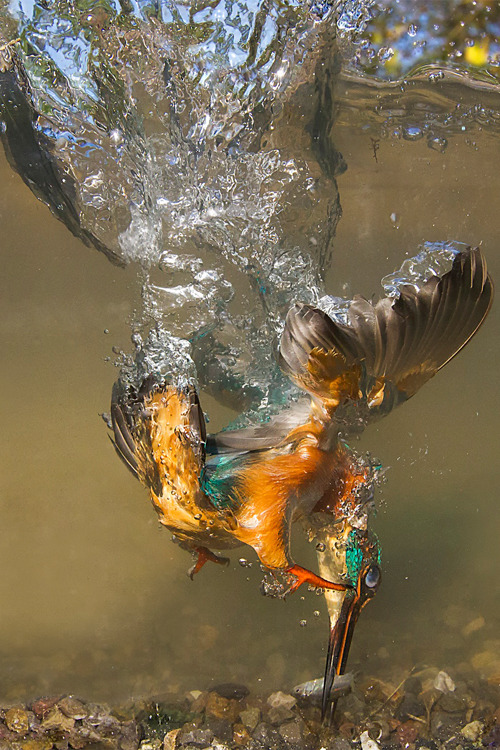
220,480
232,451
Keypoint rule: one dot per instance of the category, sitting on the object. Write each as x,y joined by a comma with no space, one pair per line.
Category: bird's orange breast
277,490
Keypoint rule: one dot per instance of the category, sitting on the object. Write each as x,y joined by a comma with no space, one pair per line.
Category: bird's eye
372,576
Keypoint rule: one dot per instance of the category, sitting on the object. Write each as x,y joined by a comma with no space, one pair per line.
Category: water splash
199,147
433,259
197,140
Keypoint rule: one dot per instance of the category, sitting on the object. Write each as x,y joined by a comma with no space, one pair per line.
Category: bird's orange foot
302,575
204,555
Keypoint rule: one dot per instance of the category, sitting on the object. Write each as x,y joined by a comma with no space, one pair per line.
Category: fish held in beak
341,632
312,690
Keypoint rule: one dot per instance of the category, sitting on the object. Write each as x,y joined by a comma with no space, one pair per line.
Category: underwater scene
235,236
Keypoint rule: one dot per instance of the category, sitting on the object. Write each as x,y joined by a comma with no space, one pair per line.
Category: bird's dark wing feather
390,349
123,440
261,436
29,153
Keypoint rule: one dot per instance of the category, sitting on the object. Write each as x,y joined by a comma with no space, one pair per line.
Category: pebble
250,717
199,703
42,706
444,683
336,743
222,708
367,743
411,705
452,703
407,733
268,737
130,735
17,720
197,737
221,728
170,739
73,708
473,731
241,737
55,719
413,685
281,700
442,724
279,715
292,732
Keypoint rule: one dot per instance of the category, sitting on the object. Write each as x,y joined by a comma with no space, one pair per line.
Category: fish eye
372,576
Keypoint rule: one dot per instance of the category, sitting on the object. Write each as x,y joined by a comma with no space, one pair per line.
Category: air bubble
412,29
438,144
244,562
137,341
116,136
412,133
385,54
316,613
302,623
437,76
320,547
198,516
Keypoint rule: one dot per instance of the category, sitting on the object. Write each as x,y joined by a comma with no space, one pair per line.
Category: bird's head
357,554
348,550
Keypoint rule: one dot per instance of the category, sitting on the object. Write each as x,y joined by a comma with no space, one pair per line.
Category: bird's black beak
342,630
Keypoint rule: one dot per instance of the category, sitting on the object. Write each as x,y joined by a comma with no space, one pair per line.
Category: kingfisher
247,486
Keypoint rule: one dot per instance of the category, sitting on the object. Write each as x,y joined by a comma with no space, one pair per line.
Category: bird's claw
302,575
205,555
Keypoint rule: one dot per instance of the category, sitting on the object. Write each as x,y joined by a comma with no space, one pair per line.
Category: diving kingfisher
247,486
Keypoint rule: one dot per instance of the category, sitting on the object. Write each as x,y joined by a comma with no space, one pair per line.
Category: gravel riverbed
428,708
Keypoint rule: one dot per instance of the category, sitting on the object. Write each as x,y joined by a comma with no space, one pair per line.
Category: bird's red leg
204,555
302,575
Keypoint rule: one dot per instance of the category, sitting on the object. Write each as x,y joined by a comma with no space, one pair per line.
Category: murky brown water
95,599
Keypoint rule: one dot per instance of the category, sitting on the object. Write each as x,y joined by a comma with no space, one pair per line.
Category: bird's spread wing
388,350
29,153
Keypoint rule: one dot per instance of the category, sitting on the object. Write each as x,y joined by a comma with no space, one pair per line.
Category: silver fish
312,690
